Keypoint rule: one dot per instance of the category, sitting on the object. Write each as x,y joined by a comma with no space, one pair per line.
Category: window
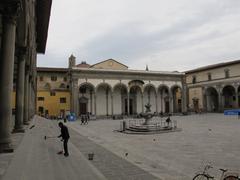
62,100
40,98
209,76
226,73
41,78
40,109
65,79
52,93
62,86
194,79
54,78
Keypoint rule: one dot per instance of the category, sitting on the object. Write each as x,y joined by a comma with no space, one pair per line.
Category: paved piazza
205,138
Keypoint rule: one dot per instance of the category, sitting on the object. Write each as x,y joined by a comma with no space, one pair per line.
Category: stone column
112,103
20,91
142,103
156,97
26,95
95,104
184,99
91,99
29,97
161,99
74,96
236,97
220,102
204,99
171,102
128,103
6,72
107,102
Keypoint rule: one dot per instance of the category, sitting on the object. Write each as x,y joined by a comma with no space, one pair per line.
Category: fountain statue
147,115
149,126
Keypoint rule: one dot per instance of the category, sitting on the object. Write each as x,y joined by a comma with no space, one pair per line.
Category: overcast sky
164,34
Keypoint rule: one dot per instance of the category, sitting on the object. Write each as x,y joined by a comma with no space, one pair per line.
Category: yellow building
53,96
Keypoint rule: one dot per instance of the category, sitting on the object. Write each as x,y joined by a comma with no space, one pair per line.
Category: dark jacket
64,133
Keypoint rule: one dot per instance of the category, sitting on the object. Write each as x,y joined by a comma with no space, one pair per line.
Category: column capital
11,10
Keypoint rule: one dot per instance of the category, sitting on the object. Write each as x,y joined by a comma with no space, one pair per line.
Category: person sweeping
65,137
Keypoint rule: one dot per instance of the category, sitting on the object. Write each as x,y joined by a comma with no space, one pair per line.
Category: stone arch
176,92
212,103
103,84
229,97
86,98
87,85
149,96
163,99
103,99
134,83
120,99
135,100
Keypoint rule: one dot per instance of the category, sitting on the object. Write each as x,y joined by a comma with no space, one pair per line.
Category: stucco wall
52,103
109,64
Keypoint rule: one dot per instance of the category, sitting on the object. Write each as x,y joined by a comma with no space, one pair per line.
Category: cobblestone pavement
37,158
170,156
5,158
110,165
205,138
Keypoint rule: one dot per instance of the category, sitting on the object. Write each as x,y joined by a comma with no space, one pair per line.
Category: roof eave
43,11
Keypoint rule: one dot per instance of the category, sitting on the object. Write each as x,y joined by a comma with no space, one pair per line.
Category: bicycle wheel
201,177
231,178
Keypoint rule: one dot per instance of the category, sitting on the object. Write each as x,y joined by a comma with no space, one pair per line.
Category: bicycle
224,176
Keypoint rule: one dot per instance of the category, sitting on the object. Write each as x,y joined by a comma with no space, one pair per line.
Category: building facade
109,88
53,95
23,34
214,88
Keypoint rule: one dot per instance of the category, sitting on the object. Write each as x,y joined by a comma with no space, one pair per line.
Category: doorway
83,103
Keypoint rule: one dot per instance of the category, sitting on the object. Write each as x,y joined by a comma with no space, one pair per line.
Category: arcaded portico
214,88
23,34
113,92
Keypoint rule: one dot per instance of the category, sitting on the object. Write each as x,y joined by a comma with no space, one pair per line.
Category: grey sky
166,35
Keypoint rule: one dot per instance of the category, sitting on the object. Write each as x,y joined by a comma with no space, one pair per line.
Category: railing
156,123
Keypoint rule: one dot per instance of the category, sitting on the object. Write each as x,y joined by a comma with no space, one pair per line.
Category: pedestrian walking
168,120
65,137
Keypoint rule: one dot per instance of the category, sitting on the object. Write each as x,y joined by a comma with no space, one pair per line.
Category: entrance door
131,106
166,106
83,108
126,107
83,103
196,105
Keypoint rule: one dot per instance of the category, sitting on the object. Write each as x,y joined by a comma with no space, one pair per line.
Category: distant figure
168,120
65,137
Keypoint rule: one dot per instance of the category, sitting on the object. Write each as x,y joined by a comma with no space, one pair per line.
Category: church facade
109,88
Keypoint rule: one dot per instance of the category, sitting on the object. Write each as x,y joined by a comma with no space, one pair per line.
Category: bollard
123,125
